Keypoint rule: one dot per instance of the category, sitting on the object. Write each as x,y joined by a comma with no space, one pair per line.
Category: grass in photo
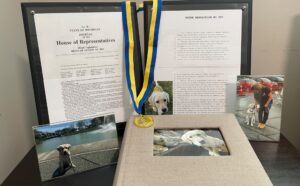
72,147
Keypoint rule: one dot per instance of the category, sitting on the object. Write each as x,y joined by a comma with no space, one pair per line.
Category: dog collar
157,89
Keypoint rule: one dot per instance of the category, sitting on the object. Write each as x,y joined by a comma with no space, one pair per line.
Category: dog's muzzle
164,110
66,152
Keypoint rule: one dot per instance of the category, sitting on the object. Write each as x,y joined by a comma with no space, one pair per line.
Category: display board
202,47
76,56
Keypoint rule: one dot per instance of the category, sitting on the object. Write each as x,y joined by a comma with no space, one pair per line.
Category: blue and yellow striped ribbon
139,99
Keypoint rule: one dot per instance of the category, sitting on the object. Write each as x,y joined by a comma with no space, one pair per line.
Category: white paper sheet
200,51
82,63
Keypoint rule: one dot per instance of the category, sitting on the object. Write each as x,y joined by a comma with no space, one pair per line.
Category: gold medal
143,121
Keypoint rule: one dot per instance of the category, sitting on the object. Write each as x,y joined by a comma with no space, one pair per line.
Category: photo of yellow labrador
71,147
189,142
160,100
65,160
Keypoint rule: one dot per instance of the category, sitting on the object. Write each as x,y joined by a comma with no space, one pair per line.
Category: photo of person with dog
189,142
76,146
263,101
259,105
160,100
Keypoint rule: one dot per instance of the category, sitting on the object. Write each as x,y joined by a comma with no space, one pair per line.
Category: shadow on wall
23,74
26,107
290,116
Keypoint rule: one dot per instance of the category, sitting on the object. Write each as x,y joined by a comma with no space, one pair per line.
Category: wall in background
17,106
290,118
272,34
275,50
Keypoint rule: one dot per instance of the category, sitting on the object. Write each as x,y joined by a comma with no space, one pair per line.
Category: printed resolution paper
200,51
82,64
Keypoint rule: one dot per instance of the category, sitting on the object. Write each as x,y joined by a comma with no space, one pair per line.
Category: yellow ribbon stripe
131,50
140,6
153,36
150,50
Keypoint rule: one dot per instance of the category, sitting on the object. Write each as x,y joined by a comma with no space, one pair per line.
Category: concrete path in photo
78,149
272,130
84,157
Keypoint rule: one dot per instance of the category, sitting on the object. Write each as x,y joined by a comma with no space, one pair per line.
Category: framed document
202,47
76,58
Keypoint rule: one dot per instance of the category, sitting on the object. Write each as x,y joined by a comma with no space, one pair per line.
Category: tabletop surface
280,160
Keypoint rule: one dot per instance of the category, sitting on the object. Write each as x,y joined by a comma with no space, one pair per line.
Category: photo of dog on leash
160,100
76,146
258,106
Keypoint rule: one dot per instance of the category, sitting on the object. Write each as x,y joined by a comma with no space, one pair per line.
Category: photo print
189,142
76,146
258,106
160,100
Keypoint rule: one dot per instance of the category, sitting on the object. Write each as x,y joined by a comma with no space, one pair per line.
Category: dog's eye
157,101
165,100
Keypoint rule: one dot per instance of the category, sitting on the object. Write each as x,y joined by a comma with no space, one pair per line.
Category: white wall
17,107
273,25
275,50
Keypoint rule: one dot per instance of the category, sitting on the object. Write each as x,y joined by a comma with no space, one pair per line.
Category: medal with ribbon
139,99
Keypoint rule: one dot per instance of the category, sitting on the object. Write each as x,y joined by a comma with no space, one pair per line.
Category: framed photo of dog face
202,47
160,100
76,56
189,142
73,147
259,104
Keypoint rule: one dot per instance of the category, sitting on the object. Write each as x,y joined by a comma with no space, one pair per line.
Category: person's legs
265,115
260,115
266,112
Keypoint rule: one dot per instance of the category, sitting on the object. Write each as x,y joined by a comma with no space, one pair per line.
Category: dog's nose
164,110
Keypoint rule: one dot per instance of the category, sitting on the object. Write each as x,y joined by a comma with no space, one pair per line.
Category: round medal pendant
143,121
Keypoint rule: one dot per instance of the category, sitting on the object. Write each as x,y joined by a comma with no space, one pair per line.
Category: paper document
82,64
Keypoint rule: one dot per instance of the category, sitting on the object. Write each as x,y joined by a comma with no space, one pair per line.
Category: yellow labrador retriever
159,100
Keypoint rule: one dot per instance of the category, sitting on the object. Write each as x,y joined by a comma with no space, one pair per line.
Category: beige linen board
138,167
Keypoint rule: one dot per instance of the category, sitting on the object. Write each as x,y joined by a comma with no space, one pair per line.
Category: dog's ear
167,96
59,148
151,100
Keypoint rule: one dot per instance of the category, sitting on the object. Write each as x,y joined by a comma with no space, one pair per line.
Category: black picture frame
245,5
28,9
